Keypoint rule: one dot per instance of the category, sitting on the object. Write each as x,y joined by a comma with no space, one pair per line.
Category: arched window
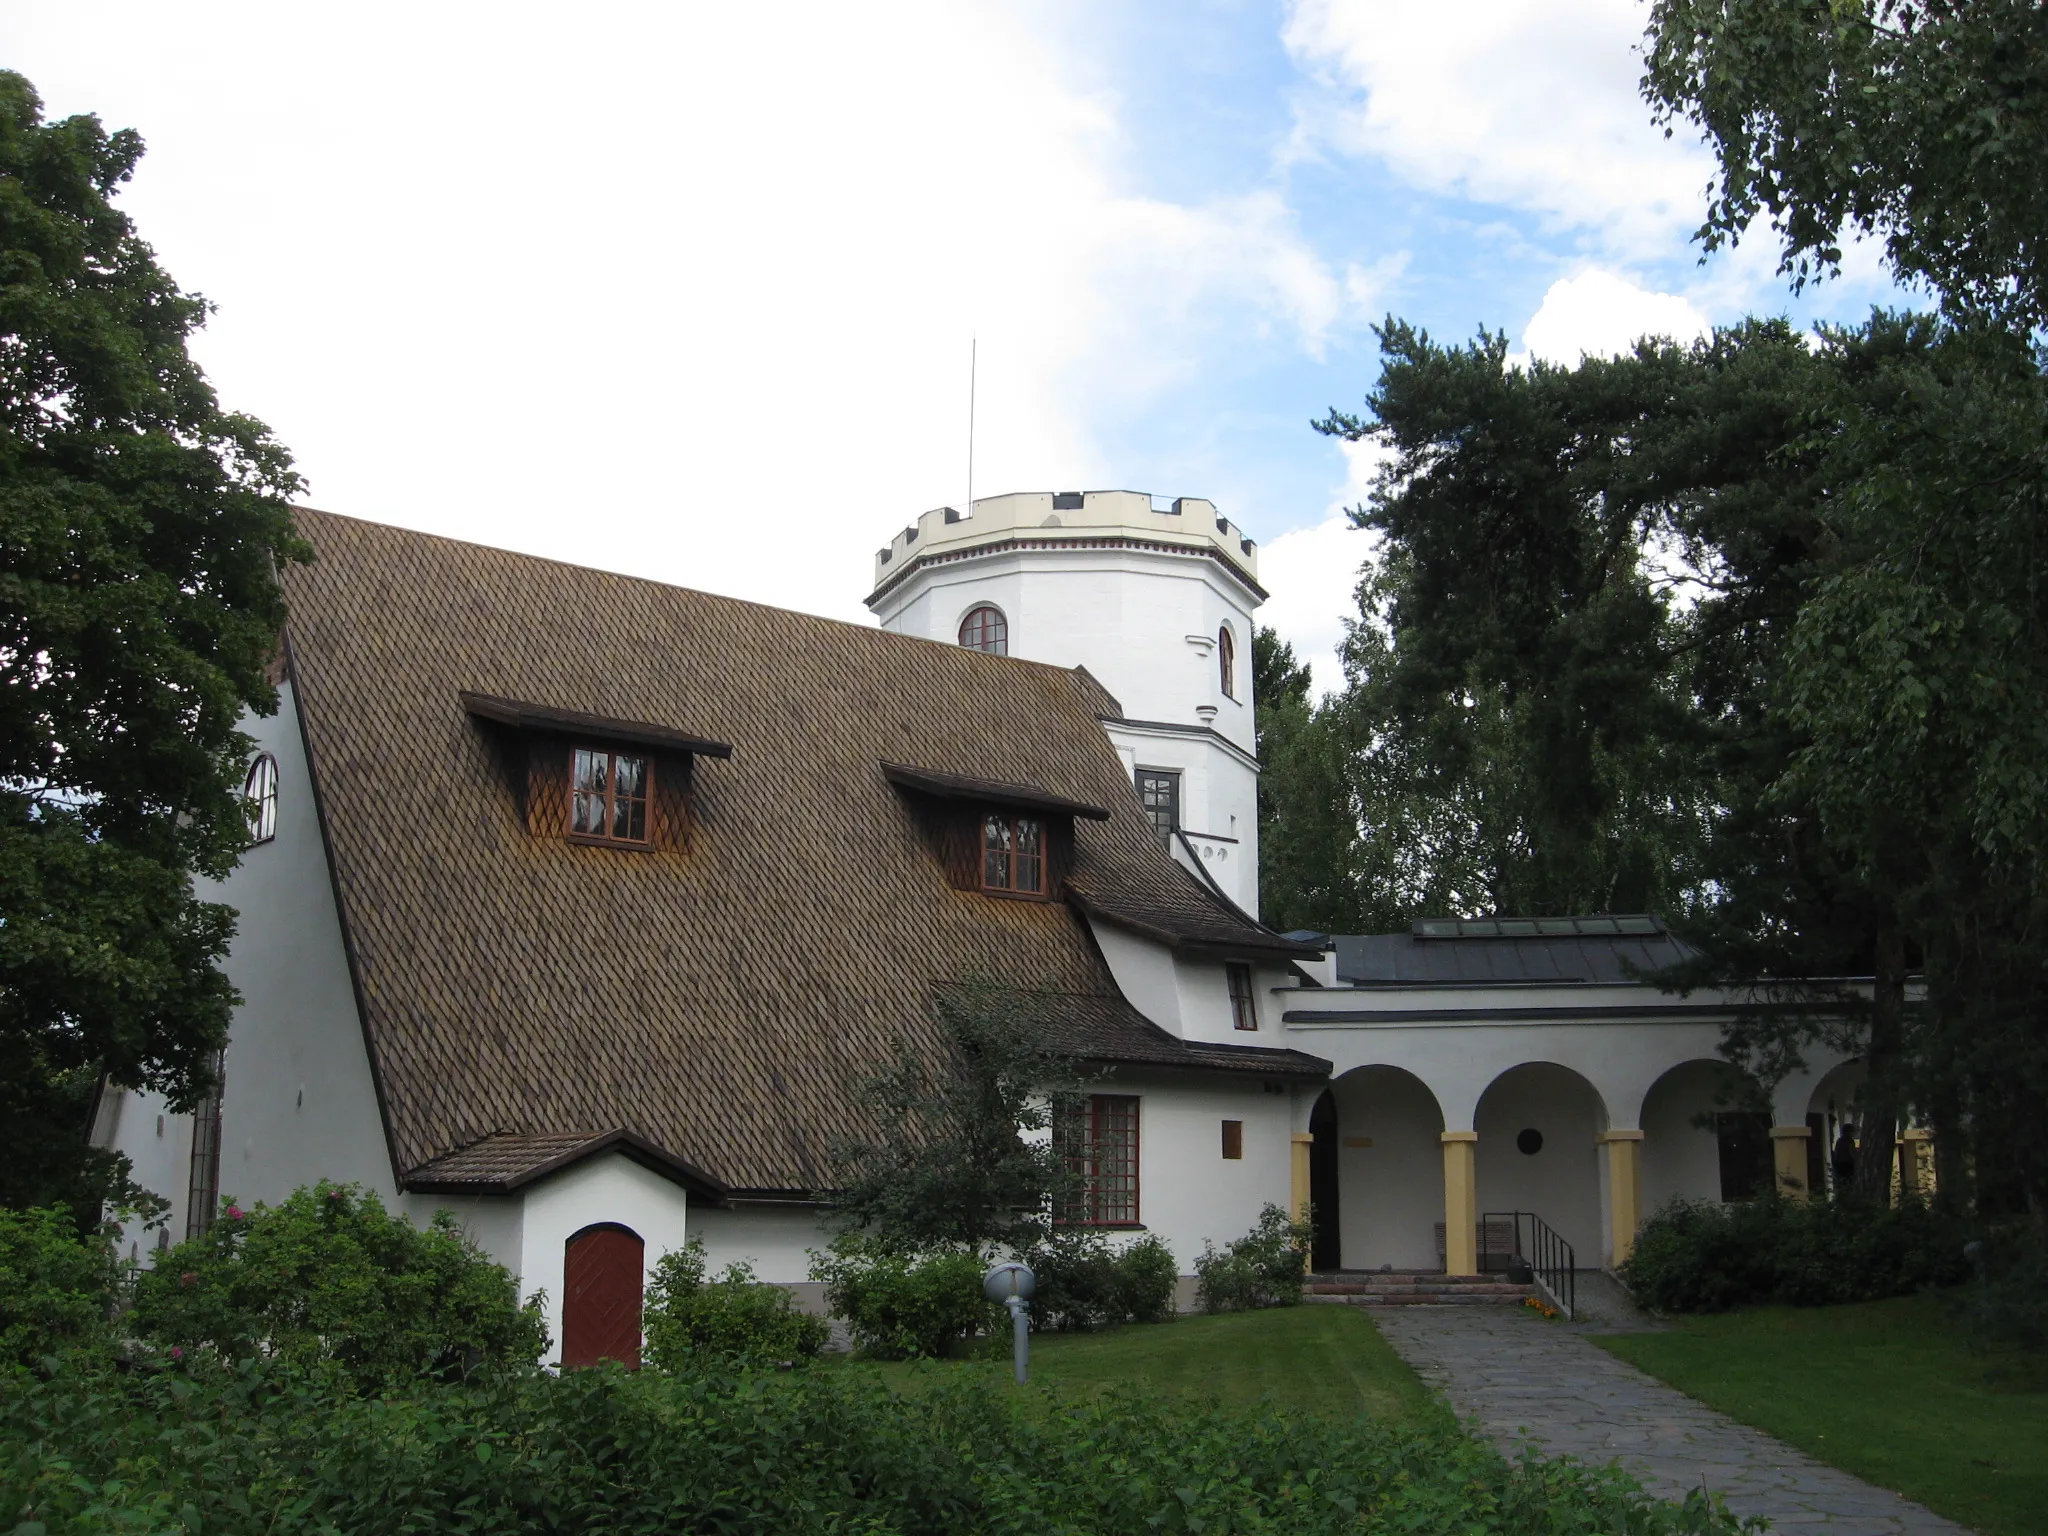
603,1268
1226,661
260,791
985,629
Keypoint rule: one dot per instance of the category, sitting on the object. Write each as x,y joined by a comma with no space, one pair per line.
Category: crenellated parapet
1078,519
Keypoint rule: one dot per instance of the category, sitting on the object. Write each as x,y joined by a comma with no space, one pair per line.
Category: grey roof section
1406,959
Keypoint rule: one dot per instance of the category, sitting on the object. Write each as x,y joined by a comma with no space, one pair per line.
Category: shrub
330,1276
266,1450
57,1288
1264,1268
734,1318
1084,1283
1708,1258
2012,1302
902,1305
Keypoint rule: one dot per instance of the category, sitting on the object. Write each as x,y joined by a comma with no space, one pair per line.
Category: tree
1308,834
141,528
1921,122
964,1151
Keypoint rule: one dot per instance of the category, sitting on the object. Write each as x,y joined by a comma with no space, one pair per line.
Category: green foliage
1309,841
1084,1283
955,1158
58,1288
1921,122
1264,1268
689,1319
1709,1258
798,1454
903,1304
329,1277
141,528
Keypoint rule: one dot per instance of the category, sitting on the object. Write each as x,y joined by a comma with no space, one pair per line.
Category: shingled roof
526,999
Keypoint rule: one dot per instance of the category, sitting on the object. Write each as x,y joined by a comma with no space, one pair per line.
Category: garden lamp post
1012,1285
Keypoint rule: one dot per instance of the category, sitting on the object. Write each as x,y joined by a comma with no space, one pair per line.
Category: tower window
1226,661
1013,854
609,799
985,629
259,790
202,1192
1159,792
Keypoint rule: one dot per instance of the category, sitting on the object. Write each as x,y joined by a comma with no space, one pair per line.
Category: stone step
1421,1299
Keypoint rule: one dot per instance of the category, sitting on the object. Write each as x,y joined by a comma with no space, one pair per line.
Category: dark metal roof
1510,950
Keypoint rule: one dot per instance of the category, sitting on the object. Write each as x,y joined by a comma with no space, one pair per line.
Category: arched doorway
1537,1123
1326,1248
1389,1169
1704,1138
602,1271
1831,1111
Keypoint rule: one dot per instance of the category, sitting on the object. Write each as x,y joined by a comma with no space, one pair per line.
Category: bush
57,1288
266,1450
905,1305
735,1318
330,1276
1083,1283
1264,1268
2012,1302
1708,1258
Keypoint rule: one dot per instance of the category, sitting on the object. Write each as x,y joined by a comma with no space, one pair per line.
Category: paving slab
1532,1382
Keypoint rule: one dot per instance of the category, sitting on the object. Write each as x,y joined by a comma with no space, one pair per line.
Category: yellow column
1788,1156
1624,1191
1918,1163
1461,1202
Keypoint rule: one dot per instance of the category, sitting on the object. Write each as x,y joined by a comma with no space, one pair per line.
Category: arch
259,791
1704,1137
1561,1180
603,1270
1325,1193
1830,1110
1389,1168
984,629
1226,660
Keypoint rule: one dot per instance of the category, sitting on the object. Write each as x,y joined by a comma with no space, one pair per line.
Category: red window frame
1013,848
1226,660
589,795
1099,1142
985,630
1244,1003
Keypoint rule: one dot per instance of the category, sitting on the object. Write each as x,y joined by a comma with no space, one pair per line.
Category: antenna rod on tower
973,363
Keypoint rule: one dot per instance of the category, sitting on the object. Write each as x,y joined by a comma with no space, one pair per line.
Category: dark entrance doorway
1326,1248
602,1270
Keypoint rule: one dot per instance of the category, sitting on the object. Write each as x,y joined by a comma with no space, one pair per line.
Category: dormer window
1013,854
1226,661
985,629
608,801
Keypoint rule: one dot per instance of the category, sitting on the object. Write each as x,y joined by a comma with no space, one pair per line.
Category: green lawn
1312,1359
1888,1390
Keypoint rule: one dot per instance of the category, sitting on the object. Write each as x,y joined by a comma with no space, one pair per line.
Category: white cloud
1312,573
684,290
1529,104
1603,314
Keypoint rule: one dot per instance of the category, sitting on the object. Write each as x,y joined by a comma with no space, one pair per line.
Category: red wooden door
601,1277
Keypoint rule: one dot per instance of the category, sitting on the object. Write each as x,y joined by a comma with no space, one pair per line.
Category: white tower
1155,601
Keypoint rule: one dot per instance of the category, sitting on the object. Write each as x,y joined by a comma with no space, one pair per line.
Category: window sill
1102,1226
1001,895
583,841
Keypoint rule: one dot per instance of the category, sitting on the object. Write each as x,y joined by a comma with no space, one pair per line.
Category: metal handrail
1551,1259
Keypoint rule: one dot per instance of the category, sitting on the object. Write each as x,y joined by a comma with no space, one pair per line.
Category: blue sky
688,290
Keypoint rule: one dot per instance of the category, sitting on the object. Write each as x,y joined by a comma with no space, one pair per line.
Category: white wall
1188,1192
612,1188
299,1104
1681,1159
1144,972
776,1243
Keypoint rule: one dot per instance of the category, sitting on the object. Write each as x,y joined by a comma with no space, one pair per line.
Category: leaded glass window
1160,792
1098,1137
1012,853
985,629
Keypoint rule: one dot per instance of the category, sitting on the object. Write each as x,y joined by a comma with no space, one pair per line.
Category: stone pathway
1522,1377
